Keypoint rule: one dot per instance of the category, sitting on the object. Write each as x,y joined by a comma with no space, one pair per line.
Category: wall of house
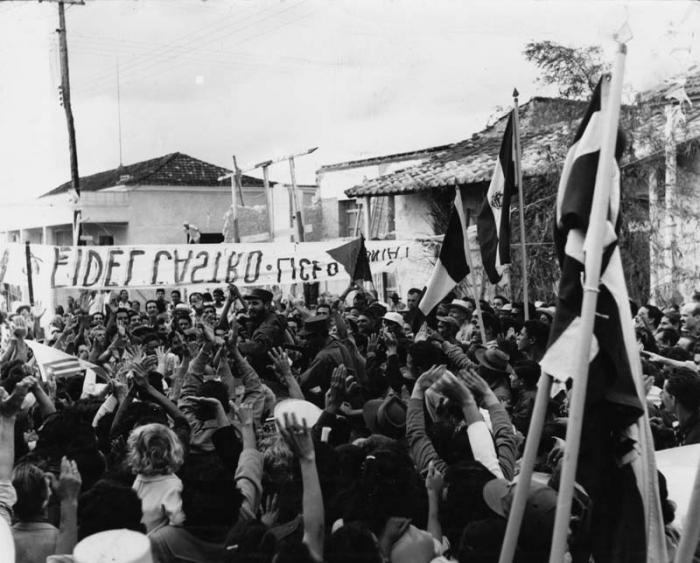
332,185
157,213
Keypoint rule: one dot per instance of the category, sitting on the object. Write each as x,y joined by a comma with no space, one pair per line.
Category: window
105,240
211,238
348,215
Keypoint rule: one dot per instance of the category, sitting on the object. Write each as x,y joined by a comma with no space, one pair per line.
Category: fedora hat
386,416
493,359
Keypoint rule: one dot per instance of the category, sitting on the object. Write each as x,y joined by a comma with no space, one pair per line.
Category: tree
574,71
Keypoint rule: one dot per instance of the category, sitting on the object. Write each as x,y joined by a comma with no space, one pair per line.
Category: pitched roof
175,169
547,127
375,160
543,124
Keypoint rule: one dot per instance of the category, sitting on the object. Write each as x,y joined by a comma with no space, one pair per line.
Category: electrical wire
174,48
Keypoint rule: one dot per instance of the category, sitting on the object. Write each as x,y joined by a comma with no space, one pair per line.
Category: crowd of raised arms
407,456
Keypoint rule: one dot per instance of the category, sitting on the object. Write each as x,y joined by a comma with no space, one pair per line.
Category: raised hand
451,387
298,437
280,362
38,310
269,511
334,394
10,405
427,378
69,481
434,480
372,343
478,385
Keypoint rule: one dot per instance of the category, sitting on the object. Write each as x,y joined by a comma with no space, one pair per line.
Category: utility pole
65,95
268,199
296,211
235,187
65,102
265,165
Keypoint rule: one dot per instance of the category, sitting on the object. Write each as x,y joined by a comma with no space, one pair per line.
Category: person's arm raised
433,483
298,437
280,364
69,484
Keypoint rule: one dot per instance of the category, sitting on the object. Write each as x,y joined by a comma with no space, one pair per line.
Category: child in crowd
155,454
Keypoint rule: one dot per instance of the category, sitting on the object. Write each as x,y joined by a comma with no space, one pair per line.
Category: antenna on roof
119,116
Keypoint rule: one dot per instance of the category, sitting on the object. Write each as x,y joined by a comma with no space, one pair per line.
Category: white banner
146,266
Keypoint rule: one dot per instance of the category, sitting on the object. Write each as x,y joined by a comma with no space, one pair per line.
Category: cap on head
258,293
316,325
461,304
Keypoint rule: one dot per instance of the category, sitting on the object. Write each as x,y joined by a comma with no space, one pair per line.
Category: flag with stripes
452,265
55,363
493,221
616,458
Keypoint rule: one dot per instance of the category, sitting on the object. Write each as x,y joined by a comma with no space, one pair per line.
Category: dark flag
353,257
452,265
493,221
616,459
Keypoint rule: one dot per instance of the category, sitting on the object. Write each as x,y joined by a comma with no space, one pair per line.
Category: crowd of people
245,427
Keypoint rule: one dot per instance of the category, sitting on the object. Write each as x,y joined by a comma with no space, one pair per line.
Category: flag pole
522,487
691,526
468,254
521,208
611,92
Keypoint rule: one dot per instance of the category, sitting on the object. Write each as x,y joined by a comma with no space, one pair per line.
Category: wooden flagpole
691,526
521,205
611,92
522,487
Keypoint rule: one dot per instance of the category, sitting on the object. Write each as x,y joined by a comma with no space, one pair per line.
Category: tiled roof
547,127
375,160
175,169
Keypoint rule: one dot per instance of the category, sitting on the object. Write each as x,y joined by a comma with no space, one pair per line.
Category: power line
212,32
147,69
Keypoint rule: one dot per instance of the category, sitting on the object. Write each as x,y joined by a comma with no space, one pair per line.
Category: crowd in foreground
389,445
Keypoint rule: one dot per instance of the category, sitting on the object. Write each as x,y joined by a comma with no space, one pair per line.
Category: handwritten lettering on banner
244,264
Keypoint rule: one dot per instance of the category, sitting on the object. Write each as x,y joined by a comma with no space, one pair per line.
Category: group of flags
616,457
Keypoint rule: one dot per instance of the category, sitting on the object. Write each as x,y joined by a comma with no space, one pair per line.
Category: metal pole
610,112
519,179
295,202
235,178
268,198
65,94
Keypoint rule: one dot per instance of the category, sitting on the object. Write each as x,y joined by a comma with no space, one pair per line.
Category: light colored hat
114,546
394,318
461,304
303,410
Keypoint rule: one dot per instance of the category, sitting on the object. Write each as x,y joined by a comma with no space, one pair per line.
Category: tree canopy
574,71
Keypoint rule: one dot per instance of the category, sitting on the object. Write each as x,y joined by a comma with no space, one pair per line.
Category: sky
266,78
